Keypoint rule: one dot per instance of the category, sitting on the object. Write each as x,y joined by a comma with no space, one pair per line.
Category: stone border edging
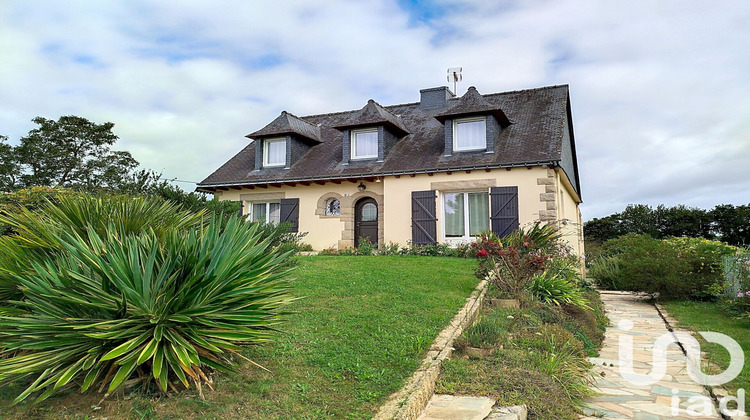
408,402
514,412
714,392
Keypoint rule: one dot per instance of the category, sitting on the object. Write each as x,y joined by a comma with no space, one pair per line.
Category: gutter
211,187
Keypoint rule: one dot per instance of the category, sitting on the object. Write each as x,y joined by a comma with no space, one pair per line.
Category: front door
366,221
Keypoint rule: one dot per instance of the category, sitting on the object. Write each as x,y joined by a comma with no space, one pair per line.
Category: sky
660,90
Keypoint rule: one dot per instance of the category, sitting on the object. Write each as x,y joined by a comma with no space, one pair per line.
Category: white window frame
353,143
251,213
456,122
467,238
266,142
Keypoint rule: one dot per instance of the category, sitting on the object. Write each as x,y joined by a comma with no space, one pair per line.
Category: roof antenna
454,74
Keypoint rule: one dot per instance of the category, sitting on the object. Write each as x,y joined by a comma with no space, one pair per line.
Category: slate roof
473,103
373,114
534,136
287,123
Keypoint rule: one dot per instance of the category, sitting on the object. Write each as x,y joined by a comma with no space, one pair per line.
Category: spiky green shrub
163,308
553,288
37,231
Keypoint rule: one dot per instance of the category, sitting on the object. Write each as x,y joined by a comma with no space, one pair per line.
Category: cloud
659,89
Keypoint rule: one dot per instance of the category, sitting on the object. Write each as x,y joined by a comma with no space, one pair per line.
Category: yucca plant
142,308
37,232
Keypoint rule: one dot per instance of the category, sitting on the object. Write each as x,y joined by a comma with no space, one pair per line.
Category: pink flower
740,294
482,253
747,293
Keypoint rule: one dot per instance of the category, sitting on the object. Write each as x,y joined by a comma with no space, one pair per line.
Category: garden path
618,398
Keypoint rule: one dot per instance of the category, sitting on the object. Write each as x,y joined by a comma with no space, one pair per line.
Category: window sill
478,149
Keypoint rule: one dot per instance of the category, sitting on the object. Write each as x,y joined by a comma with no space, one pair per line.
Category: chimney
435,98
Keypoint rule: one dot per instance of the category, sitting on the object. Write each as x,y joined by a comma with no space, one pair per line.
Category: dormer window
365,144
274,152
469,134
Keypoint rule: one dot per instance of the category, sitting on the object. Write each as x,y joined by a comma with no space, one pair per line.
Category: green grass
707,316
357,334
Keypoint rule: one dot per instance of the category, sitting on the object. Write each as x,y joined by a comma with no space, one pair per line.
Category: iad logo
660,361
693,350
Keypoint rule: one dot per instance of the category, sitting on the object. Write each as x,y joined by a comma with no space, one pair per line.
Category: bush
39,229
553,288
148,307
509,263
485,333
31,198
587,325
562,359
365,247
706,264
605,270
675,268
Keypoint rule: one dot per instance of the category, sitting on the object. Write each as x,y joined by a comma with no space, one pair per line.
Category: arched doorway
366,221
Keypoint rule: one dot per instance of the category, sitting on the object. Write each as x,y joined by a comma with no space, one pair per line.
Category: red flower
526,244
482,253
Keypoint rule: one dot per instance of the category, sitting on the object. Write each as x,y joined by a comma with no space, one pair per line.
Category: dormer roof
541,134
472,103
287,123
374,114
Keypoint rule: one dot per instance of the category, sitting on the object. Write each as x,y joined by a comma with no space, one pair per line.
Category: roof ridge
452,99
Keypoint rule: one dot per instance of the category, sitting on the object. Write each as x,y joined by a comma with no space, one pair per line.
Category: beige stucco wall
322,231
398,191
543,194
569,213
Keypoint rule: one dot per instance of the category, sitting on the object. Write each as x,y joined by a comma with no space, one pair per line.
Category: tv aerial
454,75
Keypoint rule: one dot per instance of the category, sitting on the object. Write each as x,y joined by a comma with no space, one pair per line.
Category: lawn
706,316
357,333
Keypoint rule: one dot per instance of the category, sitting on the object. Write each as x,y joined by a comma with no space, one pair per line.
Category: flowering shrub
509,263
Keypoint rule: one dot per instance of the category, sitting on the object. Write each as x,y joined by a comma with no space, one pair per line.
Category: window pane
274,213
479,213
259,212
470,135
276,152
366,144
369,212
454,214
333,207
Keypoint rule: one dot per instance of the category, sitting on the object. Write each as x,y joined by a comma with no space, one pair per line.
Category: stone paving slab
667,398
444,407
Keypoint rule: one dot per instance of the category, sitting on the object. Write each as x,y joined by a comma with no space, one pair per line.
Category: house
439,170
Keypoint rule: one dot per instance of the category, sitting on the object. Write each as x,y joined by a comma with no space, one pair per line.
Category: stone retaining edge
715,392
514,412
408,402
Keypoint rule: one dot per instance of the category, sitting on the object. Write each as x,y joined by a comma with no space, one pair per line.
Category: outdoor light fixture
361,187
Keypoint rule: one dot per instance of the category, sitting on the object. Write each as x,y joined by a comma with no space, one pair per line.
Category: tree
639,218
681,220
8,166
601,229
732,224
72,152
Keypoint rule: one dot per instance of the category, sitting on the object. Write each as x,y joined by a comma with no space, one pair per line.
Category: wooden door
366,221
